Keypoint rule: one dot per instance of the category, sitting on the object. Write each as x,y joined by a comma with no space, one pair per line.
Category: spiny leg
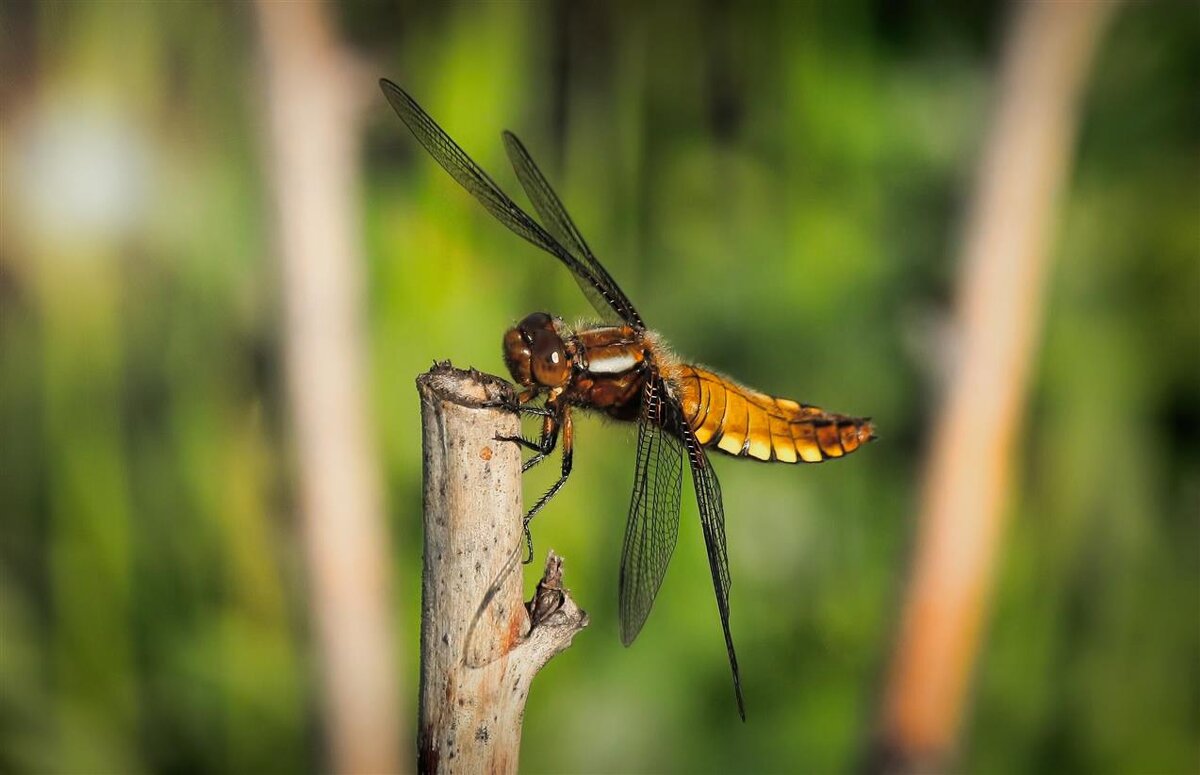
519,403
568,450
556,417
544,445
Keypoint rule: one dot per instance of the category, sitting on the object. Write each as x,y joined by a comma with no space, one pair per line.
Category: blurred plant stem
89,483
1005,256
314,152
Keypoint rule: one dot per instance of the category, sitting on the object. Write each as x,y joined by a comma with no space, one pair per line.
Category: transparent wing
712,520
653,511
472,177
559,224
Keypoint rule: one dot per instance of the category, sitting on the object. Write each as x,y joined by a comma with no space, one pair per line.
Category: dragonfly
623,369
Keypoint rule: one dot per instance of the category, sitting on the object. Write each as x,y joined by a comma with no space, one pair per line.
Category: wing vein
653,525
596,283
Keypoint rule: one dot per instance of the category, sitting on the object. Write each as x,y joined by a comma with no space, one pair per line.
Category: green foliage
779,191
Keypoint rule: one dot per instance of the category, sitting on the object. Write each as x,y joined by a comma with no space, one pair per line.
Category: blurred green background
779,190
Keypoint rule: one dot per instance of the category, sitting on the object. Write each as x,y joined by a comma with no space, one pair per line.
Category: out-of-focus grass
778,191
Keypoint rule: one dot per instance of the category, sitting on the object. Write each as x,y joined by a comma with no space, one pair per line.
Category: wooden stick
1007,241
313,106
481,645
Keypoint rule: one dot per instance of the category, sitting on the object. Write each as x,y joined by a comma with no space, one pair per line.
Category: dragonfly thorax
536,354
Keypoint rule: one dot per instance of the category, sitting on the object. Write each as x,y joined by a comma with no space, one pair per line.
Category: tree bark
481,645
1006,246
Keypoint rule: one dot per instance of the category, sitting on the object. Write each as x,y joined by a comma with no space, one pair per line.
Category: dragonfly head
536,353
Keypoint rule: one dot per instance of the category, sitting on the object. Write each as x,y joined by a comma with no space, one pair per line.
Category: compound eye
532,324
549,360
535,321
517,356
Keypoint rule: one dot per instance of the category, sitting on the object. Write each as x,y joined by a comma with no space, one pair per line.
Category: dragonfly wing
653,511
712,521
559,224
480,185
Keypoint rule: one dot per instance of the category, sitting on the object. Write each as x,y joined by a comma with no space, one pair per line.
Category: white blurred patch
81,171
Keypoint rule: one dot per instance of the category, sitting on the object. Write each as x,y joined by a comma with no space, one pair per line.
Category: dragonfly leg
524,409
536,411
520,404
543,446
568,435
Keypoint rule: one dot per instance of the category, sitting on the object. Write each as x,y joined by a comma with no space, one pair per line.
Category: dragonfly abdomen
743,422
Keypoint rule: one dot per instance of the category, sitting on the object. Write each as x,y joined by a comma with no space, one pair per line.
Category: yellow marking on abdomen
731,433
742,422
781,441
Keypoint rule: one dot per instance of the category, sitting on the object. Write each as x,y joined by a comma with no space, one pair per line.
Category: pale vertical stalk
481,646
1007,240
312,111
